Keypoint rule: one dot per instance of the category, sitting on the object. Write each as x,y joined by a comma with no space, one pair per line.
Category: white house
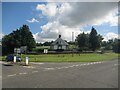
59,44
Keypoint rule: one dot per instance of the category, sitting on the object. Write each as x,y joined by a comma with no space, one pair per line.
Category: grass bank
70,58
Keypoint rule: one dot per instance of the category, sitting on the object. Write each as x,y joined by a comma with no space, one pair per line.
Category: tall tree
116,46
83,41
18,38
27,37
94,39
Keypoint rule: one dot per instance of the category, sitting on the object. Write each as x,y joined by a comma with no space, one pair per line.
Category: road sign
17,50
45,50
23,49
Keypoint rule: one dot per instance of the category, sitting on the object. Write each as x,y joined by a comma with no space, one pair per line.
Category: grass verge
69,57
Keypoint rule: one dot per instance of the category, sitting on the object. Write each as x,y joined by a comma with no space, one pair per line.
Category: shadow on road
7,64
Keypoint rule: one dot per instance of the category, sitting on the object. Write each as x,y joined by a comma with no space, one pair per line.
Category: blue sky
15,15
47,20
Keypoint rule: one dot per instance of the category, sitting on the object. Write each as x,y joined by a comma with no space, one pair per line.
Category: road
102,74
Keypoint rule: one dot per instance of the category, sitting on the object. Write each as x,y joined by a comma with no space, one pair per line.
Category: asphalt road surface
102,74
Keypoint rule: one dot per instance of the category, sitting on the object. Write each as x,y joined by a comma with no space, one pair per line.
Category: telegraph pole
72,44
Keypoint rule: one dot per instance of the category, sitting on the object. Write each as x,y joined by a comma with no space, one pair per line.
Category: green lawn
70,58
43,47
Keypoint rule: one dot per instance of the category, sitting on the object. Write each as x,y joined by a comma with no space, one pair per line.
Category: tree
7,44
95,39
116,46
100,38
109,45
47,43
18,38
83,41
27,38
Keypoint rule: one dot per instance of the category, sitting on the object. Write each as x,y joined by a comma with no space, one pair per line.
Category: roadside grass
43,47
69,58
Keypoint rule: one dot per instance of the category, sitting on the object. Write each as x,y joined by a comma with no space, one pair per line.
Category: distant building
59,44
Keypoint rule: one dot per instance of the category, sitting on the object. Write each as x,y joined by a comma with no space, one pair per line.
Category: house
59,44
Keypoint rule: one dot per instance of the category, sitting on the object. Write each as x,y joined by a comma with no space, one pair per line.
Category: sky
47,20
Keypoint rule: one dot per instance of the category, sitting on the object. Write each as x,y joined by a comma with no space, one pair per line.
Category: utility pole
72,36
72,44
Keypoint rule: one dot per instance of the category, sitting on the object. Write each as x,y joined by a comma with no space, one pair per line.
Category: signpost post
45,50
14,59
26,61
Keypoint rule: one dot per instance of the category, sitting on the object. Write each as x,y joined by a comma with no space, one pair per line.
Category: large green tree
116,46
83,41
18,38
95,39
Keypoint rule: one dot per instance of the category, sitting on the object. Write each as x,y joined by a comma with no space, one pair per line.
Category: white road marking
59,68
49,68
99,62
102,62
77,65
116,64
91,63
29,67
73,65
63,67
80,65
94,62
37,63
66,67
12,75
70,66
23,73
34,71
84,64
88,64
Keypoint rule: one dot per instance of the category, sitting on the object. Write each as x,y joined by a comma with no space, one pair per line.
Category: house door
59,46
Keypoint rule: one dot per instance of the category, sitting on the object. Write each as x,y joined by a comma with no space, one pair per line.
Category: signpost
45,50
14,59
26,61
17,50
23,49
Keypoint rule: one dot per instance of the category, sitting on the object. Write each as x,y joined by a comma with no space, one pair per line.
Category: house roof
59,41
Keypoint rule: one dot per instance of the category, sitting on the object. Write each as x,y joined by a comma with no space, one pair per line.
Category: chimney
59,36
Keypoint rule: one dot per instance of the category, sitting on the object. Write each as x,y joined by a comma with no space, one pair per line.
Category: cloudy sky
49,19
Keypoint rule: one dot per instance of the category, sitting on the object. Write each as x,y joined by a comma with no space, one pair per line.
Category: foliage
47,43
112,44
18,38
95,39
116,46
44,44
89,41
83,41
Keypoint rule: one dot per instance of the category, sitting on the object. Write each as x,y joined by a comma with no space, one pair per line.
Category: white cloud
65,18
82,0
48,10
52,30
1,35
110,35
33,20
88,13
112,18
